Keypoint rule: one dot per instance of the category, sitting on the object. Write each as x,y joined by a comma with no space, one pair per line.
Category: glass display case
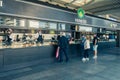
24,32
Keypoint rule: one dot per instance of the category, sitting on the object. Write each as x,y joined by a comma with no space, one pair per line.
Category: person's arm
85,44
11,37
58,42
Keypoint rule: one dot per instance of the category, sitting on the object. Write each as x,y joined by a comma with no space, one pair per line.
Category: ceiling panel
96,7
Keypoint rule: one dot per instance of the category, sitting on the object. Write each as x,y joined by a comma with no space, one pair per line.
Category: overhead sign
83,21
80,13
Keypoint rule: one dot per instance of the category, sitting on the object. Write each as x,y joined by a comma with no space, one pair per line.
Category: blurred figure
86,49
24,37
24,40
30,40
68,36
95,46
39,37
17,38
58,37
83,38
63,44
9,38
54,39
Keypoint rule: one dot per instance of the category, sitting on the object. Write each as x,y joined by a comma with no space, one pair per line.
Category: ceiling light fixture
1,3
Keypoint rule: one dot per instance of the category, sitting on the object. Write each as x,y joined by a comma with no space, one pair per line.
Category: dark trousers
86,55
82,50
65,52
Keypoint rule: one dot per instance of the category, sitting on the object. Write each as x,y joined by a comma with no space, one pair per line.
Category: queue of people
63,44
86,47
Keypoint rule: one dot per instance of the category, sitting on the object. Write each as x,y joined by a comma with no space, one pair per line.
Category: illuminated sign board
85,29
80,13
83,21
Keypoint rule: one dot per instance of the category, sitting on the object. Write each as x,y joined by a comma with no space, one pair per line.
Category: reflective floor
106,67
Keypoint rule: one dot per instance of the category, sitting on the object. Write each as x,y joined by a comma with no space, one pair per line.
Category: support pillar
118,39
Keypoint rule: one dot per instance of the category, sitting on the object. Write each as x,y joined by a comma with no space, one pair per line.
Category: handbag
57,52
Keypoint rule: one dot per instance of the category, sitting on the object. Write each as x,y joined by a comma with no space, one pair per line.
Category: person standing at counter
63,44
95,46
68,36
83,39
86,49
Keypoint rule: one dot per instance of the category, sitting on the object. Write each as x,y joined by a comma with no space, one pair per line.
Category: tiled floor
106,67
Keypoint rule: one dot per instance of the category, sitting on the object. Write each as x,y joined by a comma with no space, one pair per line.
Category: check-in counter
21,57
1,58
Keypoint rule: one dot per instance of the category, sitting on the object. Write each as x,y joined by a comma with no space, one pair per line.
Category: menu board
85,29
61,26
53,26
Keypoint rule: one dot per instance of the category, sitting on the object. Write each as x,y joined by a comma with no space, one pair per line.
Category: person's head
83,35
95,35
39,32
10,31
87,37
17,35
62,33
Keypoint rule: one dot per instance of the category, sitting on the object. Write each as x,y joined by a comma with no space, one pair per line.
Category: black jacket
63,42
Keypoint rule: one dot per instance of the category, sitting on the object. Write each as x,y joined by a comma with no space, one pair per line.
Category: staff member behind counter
39,37
9,37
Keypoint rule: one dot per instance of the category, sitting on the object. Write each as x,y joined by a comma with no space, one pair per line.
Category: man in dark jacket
63,44
95,46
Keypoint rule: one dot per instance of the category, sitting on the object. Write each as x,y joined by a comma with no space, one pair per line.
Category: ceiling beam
85,4
103,7
106,9
67,4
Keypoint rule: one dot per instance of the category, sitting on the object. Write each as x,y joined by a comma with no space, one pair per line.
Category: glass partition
18,32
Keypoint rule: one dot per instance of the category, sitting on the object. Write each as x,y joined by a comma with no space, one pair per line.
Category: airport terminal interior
23,57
